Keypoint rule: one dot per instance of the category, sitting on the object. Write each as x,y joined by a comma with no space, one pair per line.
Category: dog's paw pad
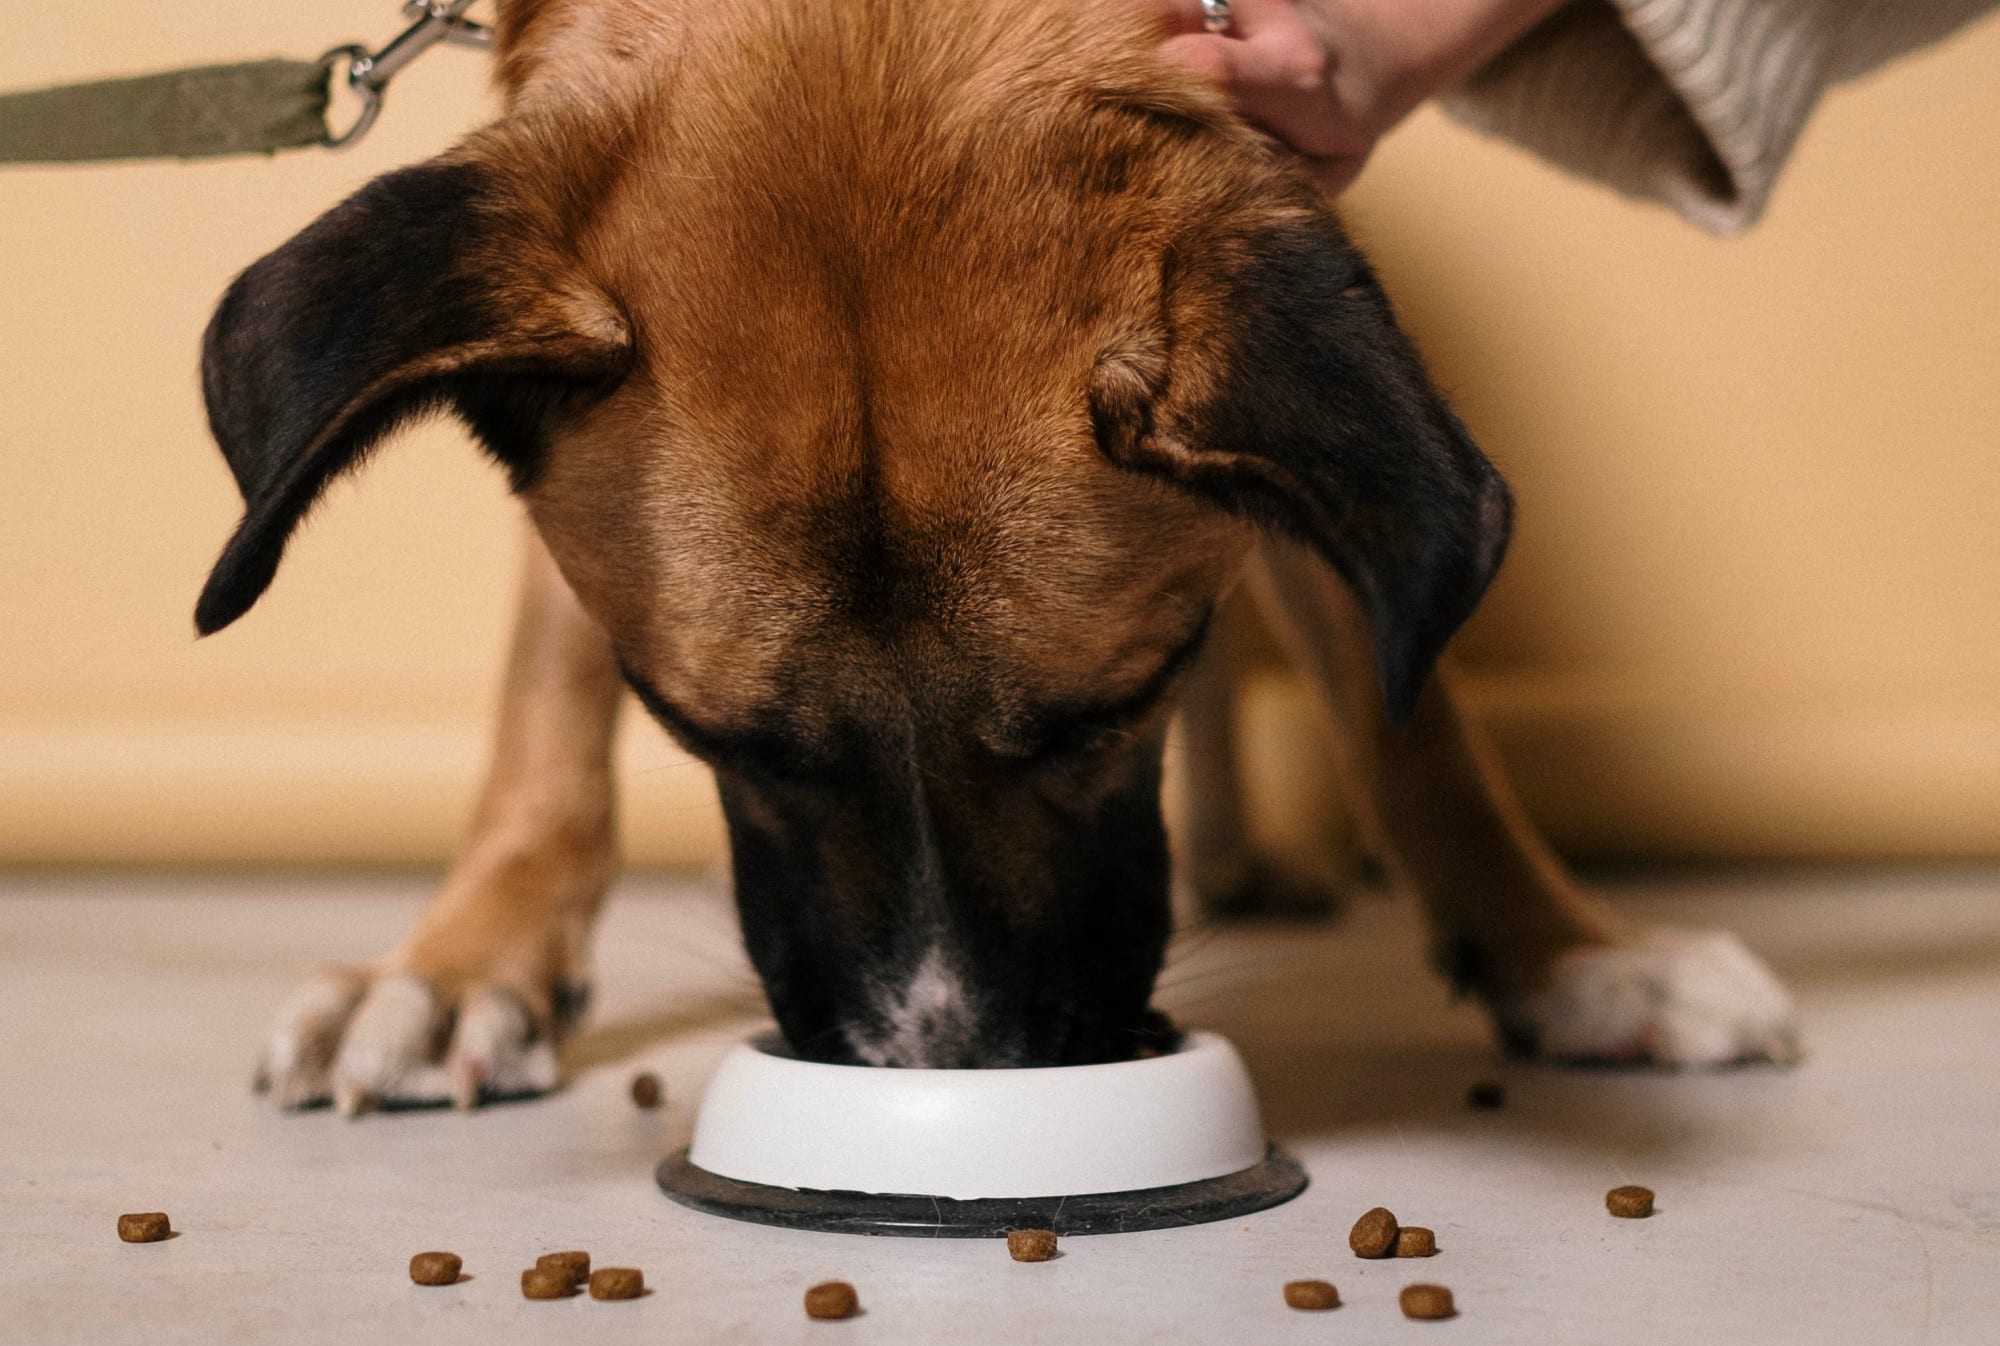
1673,998
362,1042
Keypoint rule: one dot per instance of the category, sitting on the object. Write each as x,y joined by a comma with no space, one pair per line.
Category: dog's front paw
364,1039
1668,997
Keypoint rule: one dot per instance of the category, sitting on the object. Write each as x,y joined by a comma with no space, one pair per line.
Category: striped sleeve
1692,103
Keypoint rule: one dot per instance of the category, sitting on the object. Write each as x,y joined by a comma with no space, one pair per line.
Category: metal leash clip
368,73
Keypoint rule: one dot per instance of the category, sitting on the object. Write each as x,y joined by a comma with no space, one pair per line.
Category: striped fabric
1693,103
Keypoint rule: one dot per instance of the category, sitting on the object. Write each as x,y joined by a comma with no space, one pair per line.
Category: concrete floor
1853,1199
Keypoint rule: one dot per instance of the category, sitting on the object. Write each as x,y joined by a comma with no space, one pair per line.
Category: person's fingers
1246,17
1277,71
1209,57
1172,16
1335,173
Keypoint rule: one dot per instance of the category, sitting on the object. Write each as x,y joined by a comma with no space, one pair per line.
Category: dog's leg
1563,976
470,1004
1230,875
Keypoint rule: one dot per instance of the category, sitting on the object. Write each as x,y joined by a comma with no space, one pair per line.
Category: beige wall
1754,607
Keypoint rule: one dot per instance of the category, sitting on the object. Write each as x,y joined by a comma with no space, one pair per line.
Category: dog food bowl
1171,1140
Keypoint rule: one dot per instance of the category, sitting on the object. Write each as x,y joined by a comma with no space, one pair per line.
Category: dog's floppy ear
437,286
1277,383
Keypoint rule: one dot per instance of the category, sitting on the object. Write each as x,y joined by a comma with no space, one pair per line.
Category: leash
250,107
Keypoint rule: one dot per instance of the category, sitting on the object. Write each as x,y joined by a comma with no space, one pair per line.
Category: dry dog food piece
1427,1301
1415,1241
1485,1096
832,1299
147,1227
574,1265
617,1283
1031,1245
435,1268
1312,1296
1374,1234
1629,1203
647,1091
547,1283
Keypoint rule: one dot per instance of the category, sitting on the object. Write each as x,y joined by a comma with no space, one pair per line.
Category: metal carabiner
368,73
356,58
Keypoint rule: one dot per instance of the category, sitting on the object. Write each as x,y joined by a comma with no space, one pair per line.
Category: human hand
1329,77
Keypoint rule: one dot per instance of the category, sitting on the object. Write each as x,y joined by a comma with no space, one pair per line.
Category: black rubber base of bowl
1276,1180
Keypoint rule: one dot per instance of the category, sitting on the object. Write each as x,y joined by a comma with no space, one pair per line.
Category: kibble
617,1283
547,1283
831,1300
1427,1301
1374,1234
1486,1096
647,1091
1031,1245
436,1268
147,1227
574,1266
1311,1296
1629,1203
1415,1241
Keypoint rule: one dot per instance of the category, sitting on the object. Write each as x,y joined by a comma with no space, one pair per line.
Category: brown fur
813,468
1034,540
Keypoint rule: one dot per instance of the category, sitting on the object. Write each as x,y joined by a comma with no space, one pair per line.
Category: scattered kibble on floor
617,1283
547,1283
1031,1245
1629,1202
436,1268
1374,1234
1427,1302
647,1091
575,1266
1415,1241
145,1227
832,1300
1311,1296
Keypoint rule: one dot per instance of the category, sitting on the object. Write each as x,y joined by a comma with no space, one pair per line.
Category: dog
894,389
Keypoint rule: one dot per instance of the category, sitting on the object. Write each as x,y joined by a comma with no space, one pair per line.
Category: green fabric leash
255,107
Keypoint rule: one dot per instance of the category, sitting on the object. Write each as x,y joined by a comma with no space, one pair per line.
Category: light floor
1853,1199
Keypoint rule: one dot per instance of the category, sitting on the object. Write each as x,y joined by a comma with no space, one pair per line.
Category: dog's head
901,388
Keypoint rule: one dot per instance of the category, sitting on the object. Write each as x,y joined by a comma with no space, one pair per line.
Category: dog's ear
434,287
1277,384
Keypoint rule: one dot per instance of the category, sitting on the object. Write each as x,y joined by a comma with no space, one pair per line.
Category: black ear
432,287
1278,384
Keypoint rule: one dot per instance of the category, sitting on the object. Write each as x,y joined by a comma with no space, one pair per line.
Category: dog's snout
963,922
929,1018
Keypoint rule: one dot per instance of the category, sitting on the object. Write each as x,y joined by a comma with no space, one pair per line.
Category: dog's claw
350,1101
468,1078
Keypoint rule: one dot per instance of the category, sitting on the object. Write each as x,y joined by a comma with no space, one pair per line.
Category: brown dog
897,386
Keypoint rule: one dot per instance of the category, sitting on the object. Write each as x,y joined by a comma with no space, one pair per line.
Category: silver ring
1217,15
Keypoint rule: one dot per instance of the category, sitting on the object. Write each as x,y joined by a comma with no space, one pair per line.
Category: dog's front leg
472,1002
1230,874
1563,976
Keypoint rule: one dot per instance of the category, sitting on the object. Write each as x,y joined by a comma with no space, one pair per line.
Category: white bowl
774,1120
